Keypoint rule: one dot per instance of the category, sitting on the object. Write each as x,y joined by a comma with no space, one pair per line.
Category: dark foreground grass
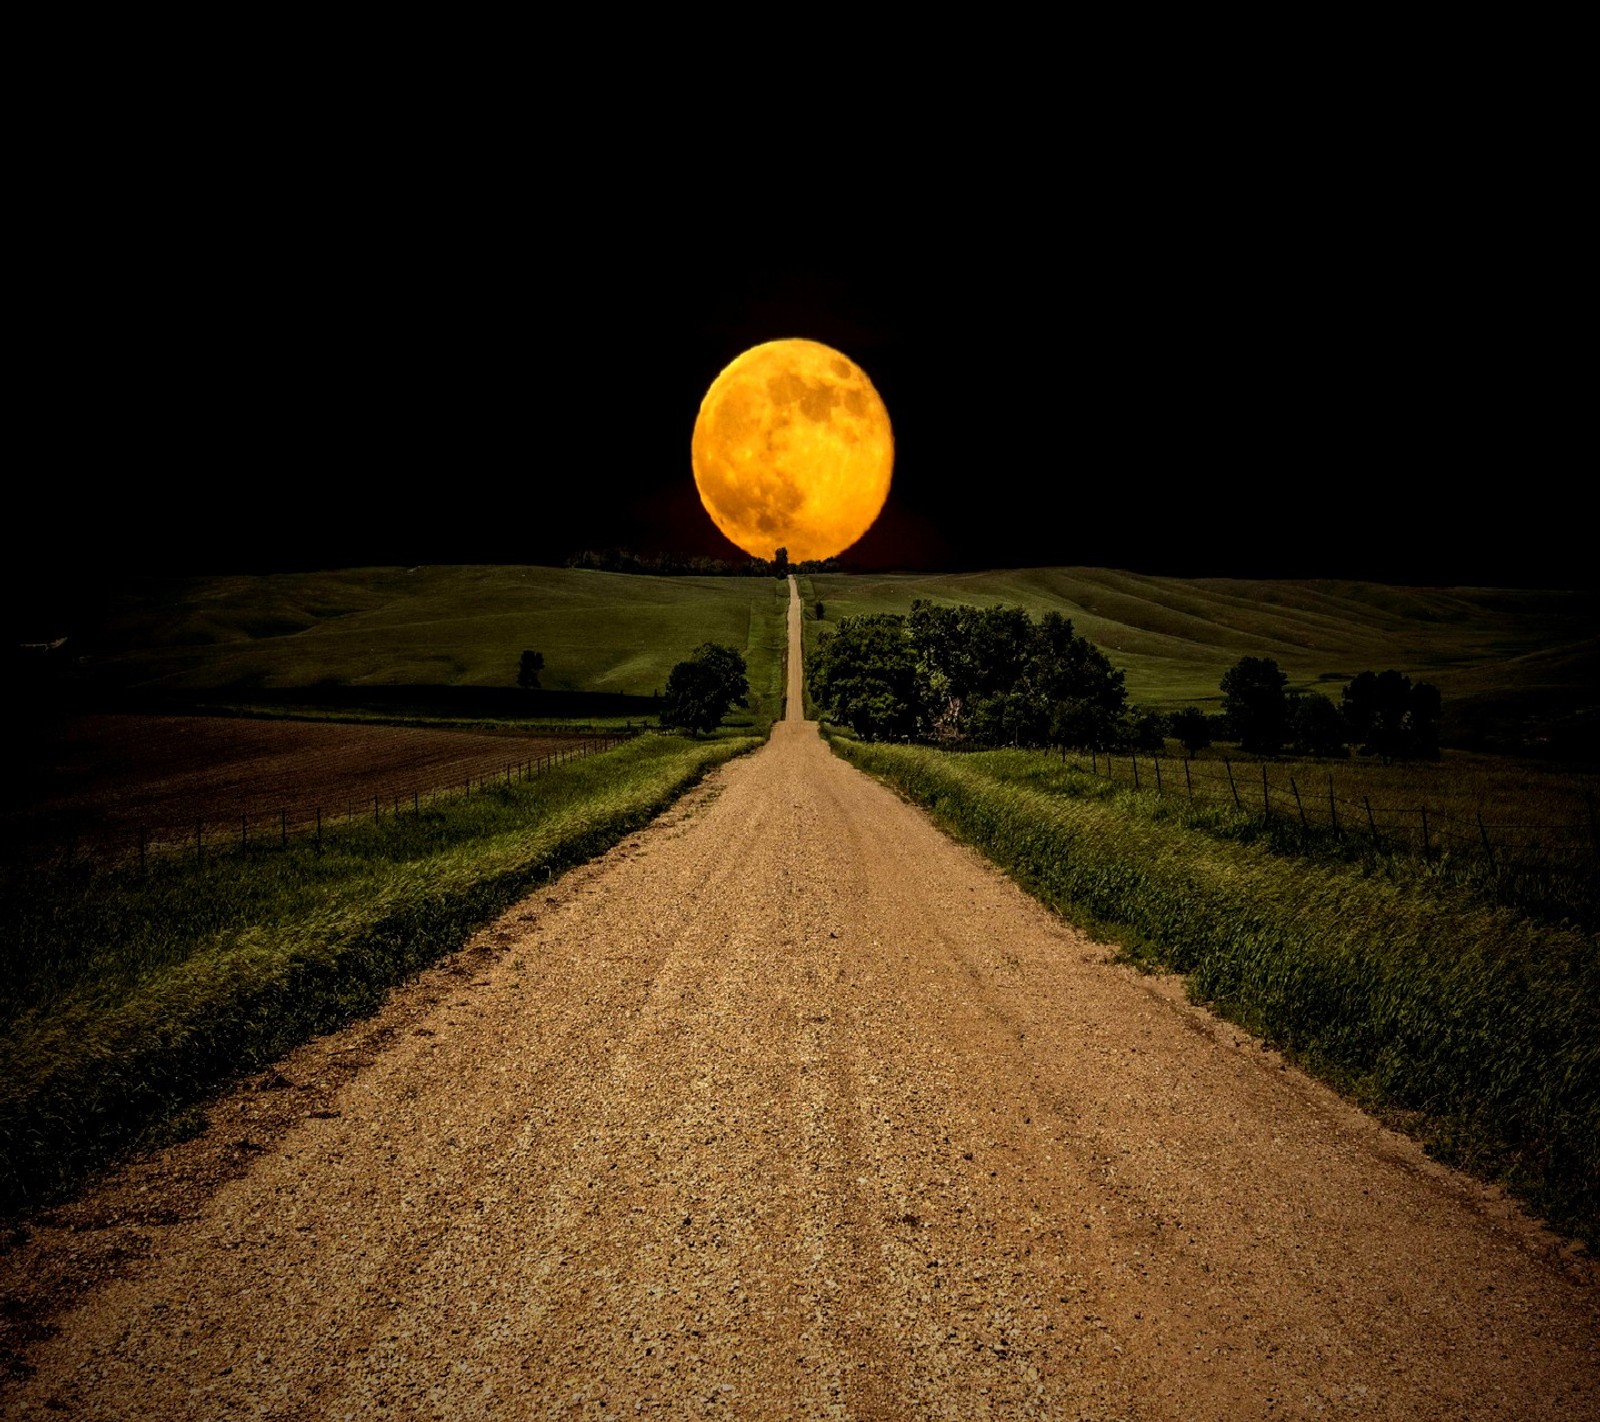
130,996
1474,1027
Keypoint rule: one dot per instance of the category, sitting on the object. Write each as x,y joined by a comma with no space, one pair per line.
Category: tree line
997,676
1382,713
684,565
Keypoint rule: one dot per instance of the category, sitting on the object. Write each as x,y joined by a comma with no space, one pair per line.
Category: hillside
1518,670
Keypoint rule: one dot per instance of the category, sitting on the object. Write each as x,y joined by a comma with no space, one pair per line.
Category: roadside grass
131,996
1470,1025
1512,832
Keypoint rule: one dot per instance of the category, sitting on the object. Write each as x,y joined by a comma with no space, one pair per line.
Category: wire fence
212,833
1415,828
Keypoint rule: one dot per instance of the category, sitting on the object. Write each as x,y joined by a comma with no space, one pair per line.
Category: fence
211,834
1415,829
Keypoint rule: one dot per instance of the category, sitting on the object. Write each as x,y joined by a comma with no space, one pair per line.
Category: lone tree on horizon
528,670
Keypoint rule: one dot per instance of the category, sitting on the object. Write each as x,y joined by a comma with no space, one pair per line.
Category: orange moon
793,449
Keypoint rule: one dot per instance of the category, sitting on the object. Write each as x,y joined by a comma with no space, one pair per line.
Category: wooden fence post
1425,845
1158,776
1188,783
1296,789
1372,824
1228,765
1135,755
1333,808
1266,804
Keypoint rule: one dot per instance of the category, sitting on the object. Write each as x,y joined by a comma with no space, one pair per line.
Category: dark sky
1333,352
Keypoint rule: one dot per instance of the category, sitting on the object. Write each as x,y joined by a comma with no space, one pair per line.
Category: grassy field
441,626
1513,667
131,995
1470,1024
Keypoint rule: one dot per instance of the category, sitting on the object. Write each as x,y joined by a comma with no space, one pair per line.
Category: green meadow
439,626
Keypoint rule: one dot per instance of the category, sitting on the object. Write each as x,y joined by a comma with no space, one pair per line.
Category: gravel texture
789,1107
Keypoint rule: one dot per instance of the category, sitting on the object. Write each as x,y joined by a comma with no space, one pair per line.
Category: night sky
1327,357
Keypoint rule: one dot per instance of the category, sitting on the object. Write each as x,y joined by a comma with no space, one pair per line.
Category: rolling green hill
1516,669
440,626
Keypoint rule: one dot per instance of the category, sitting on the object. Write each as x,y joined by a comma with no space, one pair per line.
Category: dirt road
789,1107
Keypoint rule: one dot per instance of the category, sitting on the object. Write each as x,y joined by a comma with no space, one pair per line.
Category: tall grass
1541,859
1473,1026
129,995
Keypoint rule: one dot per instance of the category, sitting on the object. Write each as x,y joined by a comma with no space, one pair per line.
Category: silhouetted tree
1145,730
528,670
1192,728
703,689
1316,726
1255,704
1392,718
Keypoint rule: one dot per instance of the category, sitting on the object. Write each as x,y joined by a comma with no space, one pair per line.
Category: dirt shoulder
790,1107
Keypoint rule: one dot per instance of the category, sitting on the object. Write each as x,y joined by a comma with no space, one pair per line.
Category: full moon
792,449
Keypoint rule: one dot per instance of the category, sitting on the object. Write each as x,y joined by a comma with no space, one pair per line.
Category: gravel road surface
789,1107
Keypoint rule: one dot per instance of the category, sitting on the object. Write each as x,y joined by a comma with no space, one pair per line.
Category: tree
1390,718
864,677
1254,702
1192,729
780,563
702,690
1145,729
528,670
1316,726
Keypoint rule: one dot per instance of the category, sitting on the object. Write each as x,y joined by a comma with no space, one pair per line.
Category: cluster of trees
985,676
1383,713
682,565
703,689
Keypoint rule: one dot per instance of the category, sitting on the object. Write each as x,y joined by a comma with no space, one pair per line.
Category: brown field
93,784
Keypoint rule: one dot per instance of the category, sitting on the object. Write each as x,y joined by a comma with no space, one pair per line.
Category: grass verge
130,996
1474,1027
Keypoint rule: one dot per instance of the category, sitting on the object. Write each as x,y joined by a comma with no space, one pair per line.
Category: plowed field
96,782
